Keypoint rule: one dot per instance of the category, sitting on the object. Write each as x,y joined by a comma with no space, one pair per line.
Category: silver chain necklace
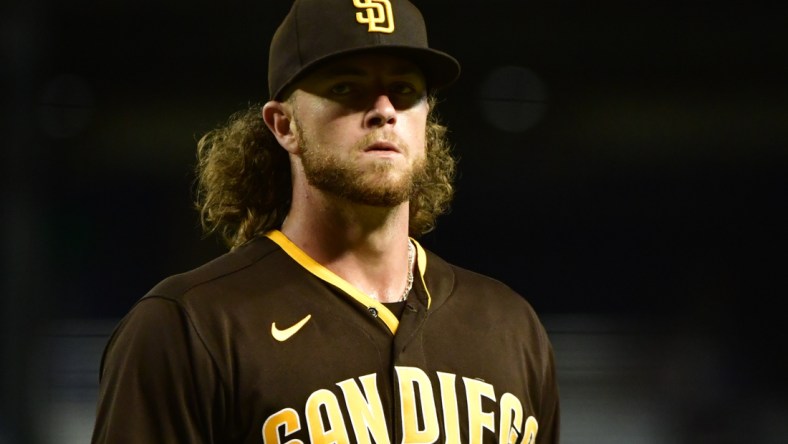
411,256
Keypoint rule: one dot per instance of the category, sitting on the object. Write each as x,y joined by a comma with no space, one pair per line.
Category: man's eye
403,88
341,89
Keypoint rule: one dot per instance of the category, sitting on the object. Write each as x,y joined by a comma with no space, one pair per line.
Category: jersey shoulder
454,280
221,272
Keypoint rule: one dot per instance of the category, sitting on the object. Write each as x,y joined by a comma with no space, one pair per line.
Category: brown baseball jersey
265,345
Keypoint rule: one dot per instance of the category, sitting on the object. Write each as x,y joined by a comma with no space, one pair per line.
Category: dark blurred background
623,166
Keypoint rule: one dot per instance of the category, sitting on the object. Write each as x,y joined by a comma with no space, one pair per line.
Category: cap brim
440,69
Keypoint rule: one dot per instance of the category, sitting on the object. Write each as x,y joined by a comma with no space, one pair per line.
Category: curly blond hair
244,189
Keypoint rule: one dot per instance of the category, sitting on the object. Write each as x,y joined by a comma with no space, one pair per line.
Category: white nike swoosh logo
284,335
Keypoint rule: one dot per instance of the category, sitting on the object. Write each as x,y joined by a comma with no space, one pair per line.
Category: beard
377,183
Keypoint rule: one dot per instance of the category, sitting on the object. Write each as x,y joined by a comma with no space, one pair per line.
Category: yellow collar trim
332,278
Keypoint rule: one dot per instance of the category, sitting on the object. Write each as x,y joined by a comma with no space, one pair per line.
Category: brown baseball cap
315,31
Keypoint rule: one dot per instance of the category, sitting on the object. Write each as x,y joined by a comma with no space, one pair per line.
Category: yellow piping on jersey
332,278
421,261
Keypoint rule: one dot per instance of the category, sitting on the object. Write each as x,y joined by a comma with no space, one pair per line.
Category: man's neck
366,246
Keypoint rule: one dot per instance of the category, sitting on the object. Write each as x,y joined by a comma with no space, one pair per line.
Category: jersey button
373,312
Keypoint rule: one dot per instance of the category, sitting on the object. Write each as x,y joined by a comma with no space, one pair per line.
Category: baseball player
327,322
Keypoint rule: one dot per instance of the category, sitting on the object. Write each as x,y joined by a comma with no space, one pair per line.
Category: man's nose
382,112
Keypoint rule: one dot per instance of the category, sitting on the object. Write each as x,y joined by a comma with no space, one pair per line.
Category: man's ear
278,118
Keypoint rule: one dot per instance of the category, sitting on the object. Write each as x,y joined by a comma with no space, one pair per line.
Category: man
327,322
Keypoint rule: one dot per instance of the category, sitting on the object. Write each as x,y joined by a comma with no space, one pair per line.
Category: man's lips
383,147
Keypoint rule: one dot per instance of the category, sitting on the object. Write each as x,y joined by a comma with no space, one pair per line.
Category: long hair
244,186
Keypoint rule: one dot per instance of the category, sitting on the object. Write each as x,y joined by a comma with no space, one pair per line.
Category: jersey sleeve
550,420
158,383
